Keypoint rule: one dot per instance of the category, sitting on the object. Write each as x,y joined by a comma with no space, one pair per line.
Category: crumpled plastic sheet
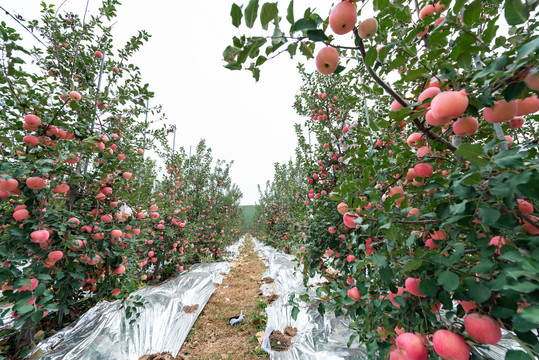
104,332
318,337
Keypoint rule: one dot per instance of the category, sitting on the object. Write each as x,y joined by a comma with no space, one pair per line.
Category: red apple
450,346
482,328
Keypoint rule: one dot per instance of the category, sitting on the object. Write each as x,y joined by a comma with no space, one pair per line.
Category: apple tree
425,121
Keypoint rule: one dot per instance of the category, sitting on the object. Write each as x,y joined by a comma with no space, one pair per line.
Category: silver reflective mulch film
318,337
104,332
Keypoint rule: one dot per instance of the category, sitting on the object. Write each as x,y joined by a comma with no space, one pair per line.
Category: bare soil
212,337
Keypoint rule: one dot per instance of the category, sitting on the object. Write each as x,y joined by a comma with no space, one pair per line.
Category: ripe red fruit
423,170
31,140
327,60
501,111
449,104
532,81
415,139
75,96
426,11
348,220
98,54
39,236
450,346
412,286
61,189
342,208
367,28
21,214
35,183
439,8
115,233
465,126
411,346
32,120
343,18
529,105
54,256
428,93
127,175
524,206
354,294
482,328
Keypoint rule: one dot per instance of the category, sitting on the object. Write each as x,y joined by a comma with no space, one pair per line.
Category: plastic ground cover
104,332
318,337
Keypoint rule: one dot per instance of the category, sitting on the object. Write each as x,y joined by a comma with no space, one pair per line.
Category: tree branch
418,124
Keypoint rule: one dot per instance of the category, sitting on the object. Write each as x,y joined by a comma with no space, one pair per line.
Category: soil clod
160,356
190,309
270,299
279,341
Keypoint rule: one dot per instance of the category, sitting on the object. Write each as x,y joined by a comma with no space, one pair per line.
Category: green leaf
304,25
479,293
351,340
256,73
531,314
472,12
473,178
515,12
489,216
292,48
268,12
428,287
386,274
528,48
473,153
230,53
306,51
236,15
321,309
316,35
290,12
295,312
458,6
251,12
339,69
37,316
513,90
21,282
379,260
449,280
490,31
516,355
412,265
371,56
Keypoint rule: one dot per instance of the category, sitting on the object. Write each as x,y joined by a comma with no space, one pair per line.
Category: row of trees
419,195
84,215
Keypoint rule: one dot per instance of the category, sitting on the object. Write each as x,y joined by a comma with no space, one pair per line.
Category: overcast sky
248,122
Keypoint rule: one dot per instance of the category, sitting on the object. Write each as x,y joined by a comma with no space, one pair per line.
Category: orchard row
418,198
84,215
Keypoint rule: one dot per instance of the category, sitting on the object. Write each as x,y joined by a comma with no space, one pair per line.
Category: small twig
80,39
419,126
18,21
434,221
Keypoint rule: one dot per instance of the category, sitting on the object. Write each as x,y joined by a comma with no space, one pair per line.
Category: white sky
250,123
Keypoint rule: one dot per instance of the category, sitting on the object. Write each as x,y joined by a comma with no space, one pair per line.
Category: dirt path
212,337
